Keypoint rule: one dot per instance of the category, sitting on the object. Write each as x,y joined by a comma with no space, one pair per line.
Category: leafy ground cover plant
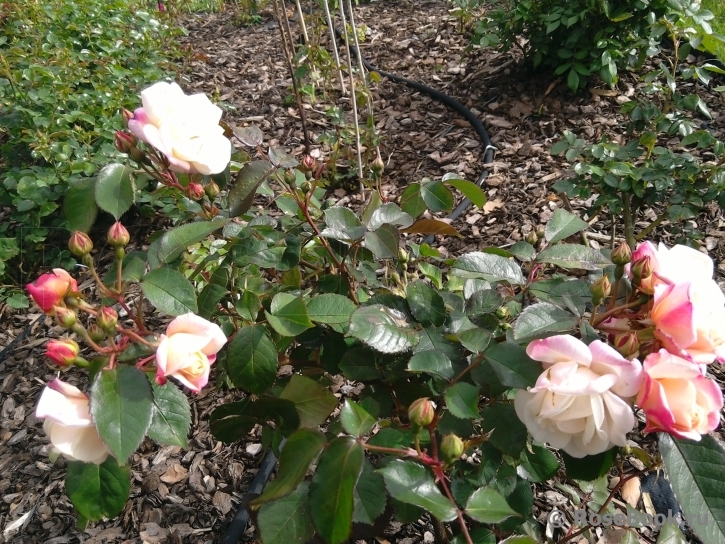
581,39
66,70
464,372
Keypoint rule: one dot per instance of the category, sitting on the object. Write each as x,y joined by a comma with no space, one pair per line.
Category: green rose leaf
385,329
489,267
562,225
300,451
209,298
314,402
330,308
79,205
539,464
509,434
251,359
412,483
171,417
573,256
383,242
425,303
432,362
288,315
697,471
122,407
241,194
488,506
98,491
369,496
389,214
342,224
287,520
355,419
590,467
169,291
513,367
539,320
411,201
174,242
437,196
331,490
114,189
462,400
469,189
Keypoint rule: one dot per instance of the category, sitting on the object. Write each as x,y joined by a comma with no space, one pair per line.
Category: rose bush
577,404
677,398
185,128
187,351
68,423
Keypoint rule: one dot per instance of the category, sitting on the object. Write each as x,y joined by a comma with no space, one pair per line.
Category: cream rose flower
577,403
187,351
183,127
672,265
68,423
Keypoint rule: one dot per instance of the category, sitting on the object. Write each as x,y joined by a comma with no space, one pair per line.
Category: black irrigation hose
452,103
239,523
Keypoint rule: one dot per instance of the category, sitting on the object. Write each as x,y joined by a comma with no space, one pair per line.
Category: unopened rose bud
62,352
600,290
642,270
502,312
540,231
65,317
377,166
80,244
118,236
127,116
195,191
421,413
212,190
95,333
532,238
290,178
626,343
452,447
124,141
403,256
139,156
622,254
305,187
107,318
308,163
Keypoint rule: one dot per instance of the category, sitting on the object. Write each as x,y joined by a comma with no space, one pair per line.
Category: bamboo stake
354,99
330,26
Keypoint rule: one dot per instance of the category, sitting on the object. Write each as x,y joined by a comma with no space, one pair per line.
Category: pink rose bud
162,7
95,333
118,236
68,423
212,190
642,274
127,116
107,318
49,290
124,141
627,343
62,352
622,254
677,399
452,447
308,163
187,351
65,317
421,413
80,244
195,191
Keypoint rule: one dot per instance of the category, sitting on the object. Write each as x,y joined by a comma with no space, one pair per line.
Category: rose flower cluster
583,401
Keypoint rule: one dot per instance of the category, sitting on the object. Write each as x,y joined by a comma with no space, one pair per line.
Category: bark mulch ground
191,495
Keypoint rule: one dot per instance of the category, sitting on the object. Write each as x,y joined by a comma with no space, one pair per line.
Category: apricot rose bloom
68,423
689,320
183,127
677,398
49,290
672,265
577,403
187,351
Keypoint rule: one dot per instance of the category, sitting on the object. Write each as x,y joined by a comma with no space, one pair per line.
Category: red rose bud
107,318
600,290
65,317
80,244
127,116
49,290
309,163
62,352
421,413
212,190
627,343
622,254
195,191
95,333
125,142
118,236
452,448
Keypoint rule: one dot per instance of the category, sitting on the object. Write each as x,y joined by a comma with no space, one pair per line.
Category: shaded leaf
488,506
98,491
251,359
287,520
355,419
241,194
114,189
313,402
432,226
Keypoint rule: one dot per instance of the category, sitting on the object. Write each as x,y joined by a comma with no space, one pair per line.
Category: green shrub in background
581,38
66,70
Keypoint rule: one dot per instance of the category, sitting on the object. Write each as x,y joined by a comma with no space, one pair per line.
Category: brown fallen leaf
175,473
492,205
632,491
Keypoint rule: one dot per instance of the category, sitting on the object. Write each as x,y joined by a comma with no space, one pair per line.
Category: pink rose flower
677,398
49,290
689,320
577,402
183,127
68,423
672,265
62,352
187,351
